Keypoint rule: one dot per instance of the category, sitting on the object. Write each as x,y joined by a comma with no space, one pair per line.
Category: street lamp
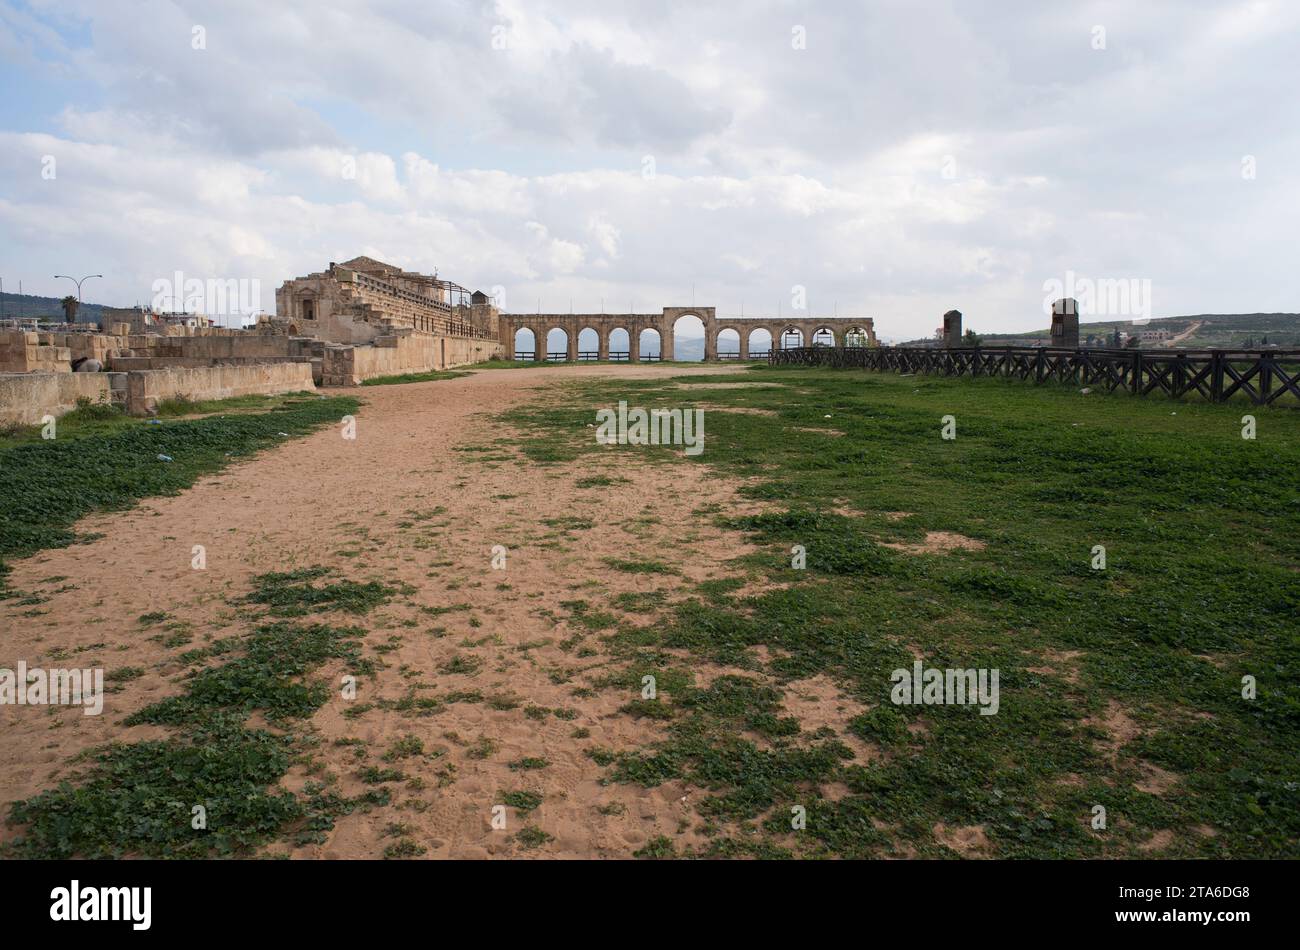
77,282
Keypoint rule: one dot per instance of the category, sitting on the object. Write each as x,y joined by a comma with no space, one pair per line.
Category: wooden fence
1265,377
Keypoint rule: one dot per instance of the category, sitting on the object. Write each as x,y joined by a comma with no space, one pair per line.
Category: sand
322,498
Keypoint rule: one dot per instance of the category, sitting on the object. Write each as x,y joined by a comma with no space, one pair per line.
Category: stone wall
25,352
29,352
402,352
145,389
26,397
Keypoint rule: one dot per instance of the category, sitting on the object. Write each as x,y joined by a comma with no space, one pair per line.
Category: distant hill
688,349
15,306
1207,330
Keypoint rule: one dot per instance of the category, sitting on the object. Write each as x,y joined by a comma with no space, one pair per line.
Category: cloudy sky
895,158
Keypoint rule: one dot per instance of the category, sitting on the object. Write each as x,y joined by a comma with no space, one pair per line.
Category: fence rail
1265,377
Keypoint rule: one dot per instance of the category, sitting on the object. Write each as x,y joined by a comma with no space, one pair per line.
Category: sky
891,159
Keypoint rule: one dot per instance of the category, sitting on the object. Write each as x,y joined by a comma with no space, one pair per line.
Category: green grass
640,566
296,593
111,463
412,378
88,418
1201,588
522,801
138,799
184,406
531,837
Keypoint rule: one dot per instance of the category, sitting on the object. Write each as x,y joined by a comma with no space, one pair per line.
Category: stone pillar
710,345
603,346
633,345
572,340
744,346
1065,323
540,346
952,328
666,344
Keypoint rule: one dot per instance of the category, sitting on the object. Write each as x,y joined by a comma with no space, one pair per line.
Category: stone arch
557,352
689,320
307,304
590,345
727,344
618,345
856,336
763,345
650,347
520,351
791,336
822,335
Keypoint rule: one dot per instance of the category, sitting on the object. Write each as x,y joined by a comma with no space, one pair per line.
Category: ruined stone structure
362,299
38,374
1065,322
375,319
783,332
952,328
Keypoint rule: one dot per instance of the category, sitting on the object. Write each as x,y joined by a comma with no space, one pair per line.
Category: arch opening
557,345
588,345
651,346
760,343
688,338
525,344
728,344
823,336
791,337
856,337
619,345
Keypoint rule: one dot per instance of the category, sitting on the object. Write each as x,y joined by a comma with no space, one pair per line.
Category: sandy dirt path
1178,338
362,507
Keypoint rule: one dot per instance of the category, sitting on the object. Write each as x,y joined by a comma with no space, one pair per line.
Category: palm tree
70,304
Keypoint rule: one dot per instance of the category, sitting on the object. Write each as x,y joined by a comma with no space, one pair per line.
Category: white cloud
914,158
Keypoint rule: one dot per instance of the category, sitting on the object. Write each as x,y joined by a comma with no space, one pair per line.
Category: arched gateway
622,336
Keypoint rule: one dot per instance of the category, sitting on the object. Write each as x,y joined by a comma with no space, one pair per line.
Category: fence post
1135,382
1216,376
1039,363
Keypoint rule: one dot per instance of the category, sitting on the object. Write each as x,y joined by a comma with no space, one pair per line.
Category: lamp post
77,282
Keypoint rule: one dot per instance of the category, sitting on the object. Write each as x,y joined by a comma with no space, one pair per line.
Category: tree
70,304
971,338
